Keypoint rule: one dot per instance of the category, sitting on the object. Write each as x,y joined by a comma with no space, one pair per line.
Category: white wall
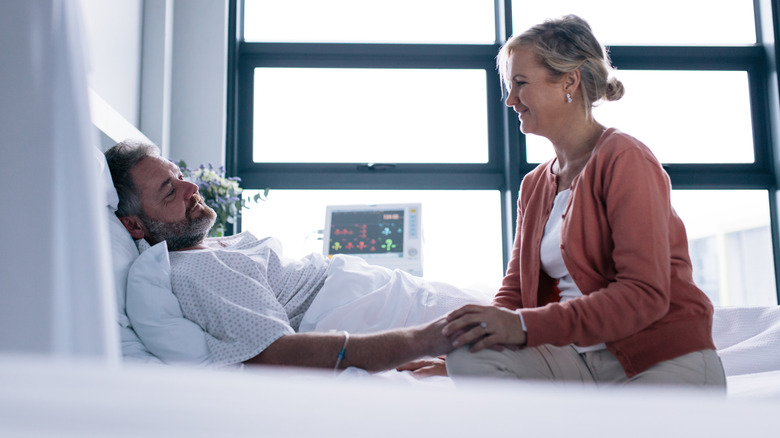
113,33
157,35
198,86
162,65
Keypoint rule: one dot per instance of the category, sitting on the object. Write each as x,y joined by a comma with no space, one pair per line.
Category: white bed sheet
764,386
43,398
747,338
755,386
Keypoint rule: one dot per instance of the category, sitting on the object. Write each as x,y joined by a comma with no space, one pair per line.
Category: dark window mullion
719,176
369,55
503,19
246,117
282,176
759,113
686,57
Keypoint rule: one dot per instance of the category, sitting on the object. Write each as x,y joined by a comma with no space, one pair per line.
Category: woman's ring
484,326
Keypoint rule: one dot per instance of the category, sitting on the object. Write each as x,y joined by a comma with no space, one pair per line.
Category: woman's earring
568,97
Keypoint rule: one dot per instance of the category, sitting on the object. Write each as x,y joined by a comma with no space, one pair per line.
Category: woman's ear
571,81
134,226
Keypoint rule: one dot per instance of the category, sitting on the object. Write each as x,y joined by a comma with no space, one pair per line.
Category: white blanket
364,298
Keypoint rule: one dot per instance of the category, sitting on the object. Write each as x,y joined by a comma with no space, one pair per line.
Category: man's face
173,209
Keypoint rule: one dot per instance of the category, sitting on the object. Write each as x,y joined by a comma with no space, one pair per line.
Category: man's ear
134,226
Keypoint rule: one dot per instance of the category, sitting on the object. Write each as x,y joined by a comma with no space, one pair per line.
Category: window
338,128
360,21
730,244
657,23
674,119
348,101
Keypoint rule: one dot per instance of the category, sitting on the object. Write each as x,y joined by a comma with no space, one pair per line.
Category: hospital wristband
343,351
522,321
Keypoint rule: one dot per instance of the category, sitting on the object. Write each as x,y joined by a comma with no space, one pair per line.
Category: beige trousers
566,366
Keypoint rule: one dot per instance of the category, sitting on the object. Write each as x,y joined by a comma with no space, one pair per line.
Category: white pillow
123,253
112,199
154,311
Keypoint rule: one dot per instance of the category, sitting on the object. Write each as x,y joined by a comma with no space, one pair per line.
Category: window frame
506,164
353,175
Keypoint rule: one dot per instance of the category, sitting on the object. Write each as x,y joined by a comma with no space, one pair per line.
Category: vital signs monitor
388,235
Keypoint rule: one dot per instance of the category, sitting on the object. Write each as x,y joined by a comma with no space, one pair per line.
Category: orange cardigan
627,251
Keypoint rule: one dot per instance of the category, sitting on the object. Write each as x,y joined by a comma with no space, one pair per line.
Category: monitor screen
387,235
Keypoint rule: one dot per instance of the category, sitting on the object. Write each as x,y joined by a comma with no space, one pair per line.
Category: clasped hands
483,327
477,326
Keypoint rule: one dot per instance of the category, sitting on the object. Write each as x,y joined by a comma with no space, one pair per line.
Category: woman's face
538,101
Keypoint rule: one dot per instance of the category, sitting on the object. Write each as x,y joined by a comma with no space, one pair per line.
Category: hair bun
615,89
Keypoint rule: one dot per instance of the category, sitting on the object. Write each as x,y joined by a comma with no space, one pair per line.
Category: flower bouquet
221,193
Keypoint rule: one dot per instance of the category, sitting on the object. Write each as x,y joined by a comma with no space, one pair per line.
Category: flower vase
217,231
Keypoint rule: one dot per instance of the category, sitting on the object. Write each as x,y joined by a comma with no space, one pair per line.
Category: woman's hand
484,327
426,367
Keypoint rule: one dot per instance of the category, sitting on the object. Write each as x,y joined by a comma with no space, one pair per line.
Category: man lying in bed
249,299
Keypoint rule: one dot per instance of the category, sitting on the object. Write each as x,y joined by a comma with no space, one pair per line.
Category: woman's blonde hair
563,45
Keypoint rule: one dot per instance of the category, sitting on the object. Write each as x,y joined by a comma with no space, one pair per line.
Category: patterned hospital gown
244,294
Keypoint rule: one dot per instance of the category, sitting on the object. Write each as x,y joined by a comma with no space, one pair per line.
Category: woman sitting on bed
599,286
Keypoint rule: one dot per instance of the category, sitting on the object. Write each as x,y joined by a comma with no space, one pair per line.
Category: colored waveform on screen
367,232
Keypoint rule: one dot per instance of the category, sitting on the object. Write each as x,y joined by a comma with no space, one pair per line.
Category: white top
552,259
243,293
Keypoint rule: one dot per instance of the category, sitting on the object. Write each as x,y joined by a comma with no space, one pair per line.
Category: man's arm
372,352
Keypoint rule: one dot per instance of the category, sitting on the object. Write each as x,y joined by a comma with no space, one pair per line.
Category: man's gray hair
122,157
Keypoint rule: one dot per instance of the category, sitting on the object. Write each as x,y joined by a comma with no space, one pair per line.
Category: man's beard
179,235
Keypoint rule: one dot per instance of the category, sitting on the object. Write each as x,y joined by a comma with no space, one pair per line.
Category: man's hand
426,367
432,339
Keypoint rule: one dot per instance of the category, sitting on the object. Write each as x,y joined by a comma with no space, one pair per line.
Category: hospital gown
243,293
